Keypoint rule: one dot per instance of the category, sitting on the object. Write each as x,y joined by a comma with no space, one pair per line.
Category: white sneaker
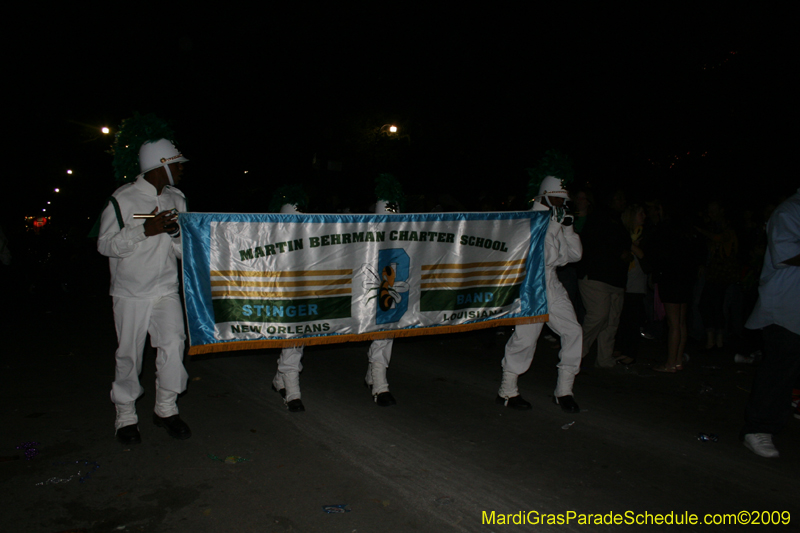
760,444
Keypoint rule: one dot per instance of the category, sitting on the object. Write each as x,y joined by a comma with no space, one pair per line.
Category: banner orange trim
337,339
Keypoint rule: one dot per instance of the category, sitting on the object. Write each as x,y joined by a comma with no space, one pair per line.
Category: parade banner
278,280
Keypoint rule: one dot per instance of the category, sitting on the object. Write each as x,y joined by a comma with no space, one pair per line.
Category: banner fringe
337,339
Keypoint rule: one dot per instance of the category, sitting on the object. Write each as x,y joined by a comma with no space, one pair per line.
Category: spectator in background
654,321
5,276
602,277
721,271
777,314
584,202
568,274
674,256
631,320
5,252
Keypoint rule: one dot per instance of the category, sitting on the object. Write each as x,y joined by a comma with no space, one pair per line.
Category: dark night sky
480,95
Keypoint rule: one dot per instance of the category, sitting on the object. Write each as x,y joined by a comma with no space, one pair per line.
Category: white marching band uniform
144,287
379,355
290,364
561,246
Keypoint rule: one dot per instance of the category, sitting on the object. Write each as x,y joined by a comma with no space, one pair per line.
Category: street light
390,128
105,130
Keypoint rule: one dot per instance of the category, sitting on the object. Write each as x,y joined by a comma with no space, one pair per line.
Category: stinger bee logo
388,284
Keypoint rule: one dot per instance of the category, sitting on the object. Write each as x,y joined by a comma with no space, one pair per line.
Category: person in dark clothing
602,276
675,258
633,311
775,314
721,271
568,274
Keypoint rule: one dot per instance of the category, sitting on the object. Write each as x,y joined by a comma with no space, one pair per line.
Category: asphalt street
443,459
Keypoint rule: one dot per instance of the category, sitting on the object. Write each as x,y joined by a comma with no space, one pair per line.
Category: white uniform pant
288,375
522,344
162,318
290,360
379,355
380,351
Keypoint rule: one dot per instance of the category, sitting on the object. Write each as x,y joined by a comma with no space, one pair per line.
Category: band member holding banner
287,378
139,234
289,200
562,245
390,195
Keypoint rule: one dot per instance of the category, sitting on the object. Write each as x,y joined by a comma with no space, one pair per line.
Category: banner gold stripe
463,266
475,283
283,294
280,273
496,273
277,284
334,339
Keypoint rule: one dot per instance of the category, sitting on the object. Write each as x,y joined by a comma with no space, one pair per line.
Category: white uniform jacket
141,267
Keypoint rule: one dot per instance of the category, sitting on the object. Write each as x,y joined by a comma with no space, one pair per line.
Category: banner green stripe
451,300
281,311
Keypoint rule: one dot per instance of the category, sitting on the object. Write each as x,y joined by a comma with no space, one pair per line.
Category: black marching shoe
385,399
176,428
295,406
567,403
129,435
515,402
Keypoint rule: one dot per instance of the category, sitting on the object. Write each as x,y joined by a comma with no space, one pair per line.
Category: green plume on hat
553,163
288,194
389,190
131,135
